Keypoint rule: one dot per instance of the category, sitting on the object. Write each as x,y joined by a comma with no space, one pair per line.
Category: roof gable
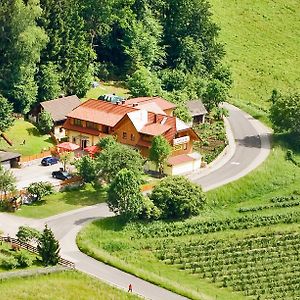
59,108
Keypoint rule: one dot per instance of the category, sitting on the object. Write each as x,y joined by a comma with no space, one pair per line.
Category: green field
34,141
63,201
263,206
262,41
63,286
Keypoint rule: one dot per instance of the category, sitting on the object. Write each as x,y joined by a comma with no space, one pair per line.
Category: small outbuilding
58,109
9,159
197,110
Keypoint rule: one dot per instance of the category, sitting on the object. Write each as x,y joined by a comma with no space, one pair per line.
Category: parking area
33,172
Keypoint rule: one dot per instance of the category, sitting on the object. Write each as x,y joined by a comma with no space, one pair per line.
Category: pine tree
48,247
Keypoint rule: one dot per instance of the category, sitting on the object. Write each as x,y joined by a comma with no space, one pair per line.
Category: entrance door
84,144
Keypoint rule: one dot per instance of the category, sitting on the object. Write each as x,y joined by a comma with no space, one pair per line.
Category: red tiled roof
179,159
155,129
162,103
69,126
100,112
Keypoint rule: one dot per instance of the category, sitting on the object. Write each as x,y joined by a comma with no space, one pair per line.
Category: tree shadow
287,140
33,131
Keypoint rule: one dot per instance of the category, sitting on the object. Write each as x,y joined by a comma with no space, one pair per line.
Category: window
74,140
61,129
124,135
184,146
91,125
77,122
132,137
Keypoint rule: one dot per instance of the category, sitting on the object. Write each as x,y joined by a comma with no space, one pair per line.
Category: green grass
111,241
23,130
69,285
63,201
110,87
262,41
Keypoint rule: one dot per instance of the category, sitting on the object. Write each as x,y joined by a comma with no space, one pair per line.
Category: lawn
110,87
23,130
68,285
63,201
221,222
262,41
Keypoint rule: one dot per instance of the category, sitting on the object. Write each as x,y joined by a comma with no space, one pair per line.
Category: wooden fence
32,249
24,159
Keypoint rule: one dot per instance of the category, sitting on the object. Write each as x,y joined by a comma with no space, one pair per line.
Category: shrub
24,259
177,197
9,263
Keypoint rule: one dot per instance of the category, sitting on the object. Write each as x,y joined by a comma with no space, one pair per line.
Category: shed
9,159
197,110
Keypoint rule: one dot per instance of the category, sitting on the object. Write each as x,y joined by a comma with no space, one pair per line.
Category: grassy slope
34,141
62,286
62,202
262,40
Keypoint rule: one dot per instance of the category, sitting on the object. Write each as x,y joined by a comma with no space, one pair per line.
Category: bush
24,259
9,262
177,197
149,210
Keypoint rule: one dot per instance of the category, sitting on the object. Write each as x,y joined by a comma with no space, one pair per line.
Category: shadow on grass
115,223
288,141
33,131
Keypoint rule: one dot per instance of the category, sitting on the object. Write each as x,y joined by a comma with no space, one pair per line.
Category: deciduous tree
124,195
159,152
177,197
45,122
6,114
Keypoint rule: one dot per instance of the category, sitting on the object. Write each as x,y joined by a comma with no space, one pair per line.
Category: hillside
262,40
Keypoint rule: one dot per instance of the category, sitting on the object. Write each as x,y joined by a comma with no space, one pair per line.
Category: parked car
49,160
63,175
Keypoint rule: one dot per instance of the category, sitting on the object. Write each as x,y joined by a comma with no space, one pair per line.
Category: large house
135,122
58,109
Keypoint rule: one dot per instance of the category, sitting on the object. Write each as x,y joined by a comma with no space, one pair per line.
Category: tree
69,47
6,114
87,168
285,112
49,82
159,152
106,142
45,122
21,43
114,158
48,248
28,235
216,93
177,197
143,83
66,158
7,181
40,189
183,113
124,195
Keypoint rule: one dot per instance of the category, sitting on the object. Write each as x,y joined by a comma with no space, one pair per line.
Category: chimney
135,104
123,101
118,102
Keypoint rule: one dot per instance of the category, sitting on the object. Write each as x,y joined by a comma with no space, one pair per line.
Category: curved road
249,146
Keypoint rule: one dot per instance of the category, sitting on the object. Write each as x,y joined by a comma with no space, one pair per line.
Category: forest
168,48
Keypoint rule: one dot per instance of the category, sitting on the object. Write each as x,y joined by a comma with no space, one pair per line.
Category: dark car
49,160
63,175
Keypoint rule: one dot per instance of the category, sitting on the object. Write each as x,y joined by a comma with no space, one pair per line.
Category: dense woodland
158,47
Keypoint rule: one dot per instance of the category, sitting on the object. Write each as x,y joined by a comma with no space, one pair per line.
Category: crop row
269,206
176,229
268,270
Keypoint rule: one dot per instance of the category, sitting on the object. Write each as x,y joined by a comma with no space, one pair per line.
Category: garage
9,160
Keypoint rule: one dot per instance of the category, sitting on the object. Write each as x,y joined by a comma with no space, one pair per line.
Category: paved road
249,147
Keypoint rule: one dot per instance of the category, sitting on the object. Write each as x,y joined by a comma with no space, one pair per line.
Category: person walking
130,288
